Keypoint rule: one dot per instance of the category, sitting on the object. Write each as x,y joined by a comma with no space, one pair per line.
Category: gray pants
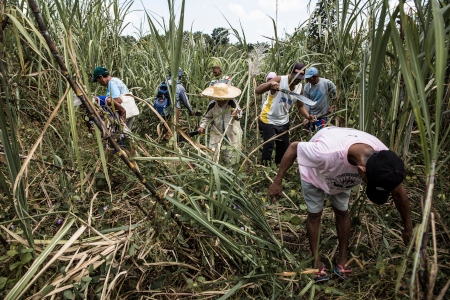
130,123
315,198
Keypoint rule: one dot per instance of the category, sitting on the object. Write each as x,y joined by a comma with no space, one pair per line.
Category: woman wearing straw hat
223,115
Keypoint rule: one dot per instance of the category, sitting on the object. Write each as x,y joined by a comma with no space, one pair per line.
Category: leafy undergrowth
98,233
171,251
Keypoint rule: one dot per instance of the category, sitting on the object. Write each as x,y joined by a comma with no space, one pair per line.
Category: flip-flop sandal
321,276
340,271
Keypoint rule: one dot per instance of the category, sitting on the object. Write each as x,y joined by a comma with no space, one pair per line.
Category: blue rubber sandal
321,276
340,271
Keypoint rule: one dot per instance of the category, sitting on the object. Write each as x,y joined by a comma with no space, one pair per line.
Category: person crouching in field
331,163
222,116
118,93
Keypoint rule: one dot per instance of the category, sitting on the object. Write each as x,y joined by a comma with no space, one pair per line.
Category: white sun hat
221,91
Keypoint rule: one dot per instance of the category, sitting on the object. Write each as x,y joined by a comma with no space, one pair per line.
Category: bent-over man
332,162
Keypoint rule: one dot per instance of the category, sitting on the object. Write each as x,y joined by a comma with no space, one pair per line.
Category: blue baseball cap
311,72
180,72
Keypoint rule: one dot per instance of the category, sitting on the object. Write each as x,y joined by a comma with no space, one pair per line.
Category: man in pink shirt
331,163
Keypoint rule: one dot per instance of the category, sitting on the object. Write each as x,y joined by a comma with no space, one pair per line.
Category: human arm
401,202
114,91
182,97
236,113
304,112
332,95
332,92
306,93
276,188
206,117
118,107
273,85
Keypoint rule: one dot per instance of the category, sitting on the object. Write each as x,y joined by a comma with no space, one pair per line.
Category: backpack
162,101
161,105
163,90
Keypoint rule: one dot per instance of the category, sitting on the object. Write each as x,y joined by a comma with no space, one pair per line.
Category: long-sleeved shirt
219,117
180,96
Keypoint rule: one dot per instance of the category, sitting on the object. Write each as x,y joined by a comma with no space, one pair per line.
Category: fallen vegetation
75,222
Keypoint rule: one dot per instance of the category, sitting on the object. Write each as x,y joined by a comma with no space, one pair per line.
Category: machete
181,138
299,97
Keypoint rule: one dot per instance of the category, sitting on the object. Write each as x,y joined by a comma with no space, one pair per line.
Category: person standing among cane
321,91
274,118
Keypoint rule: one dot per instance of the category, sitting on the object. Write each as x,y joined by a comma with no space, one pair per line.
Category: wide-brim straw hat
221,91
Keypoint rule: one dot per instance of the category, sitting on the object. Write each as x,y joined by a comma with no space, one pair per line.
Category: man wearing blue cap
320,90
330,164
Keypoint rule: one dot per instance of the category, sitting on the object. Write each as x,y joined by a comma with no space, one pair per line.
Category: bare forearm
262,88
121,110
286,162
117,107
401,202
303,111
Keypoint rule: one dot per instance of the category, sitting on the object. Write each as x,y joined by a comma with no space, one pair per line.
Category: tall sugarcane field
182,164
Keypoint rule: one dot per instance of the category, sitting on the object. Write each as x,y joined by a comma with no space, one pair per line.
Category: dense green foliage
321,24
72,214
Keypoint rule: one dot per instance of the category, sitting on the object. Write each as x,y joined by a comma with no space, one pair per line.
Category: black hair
368,154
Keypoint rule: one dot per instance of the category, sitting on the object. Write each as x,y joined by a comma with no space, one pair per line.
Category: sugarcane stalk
92,112
19,202
420,263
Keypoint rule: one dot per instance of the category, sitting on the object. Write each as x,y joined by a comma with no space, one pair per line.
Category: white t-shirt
323,160
275,109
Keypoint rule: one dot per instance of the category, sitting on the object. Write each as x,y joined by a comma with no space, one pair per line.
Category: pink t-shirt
323,160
